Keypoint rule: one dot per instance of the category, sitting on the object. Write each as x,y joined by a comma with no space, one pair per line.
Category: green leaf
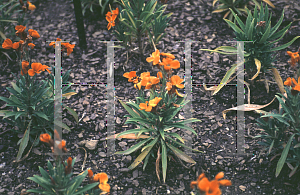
250,30
140,158
20,113
24,142
42,182
190,120
129,110
152,143
181,154
40,191
62,125
238,20
183,127
234,26
16,87
285,45
175,135
42,115
135,147
78,180
86,188
286,109
274,29
73,113
278,117
182,144
283,156
266,35
164,161
44,173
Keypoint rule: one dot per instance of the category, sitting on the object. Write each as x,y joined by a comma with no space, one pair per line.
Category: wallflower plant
138,20
32,99
154,115
259,51
58,180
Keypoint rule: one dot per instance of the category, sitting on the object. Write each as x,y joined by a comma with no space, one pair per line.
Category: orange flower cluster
102,178
290,82
28,6
61,144
68,168
26,40
111,17
36,68
168,62
152,103
294,57
210,187
66,46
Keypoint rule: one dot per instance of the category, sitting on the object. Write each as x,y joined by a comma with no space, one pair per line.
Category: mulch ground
191,19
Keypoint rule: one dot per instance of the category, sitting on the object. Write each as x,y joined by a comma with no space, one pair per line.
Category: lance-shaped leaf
140,158
181,154
135,147
164,162
283,156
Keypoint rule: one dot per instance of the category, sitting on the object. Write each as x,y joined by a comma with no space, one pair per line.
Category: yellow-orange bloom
168,55
101,177
154,101
145,106
105,187
168,64
44,67
7,44
155,57
130,76
69,161
69,47
288,82
31,6
176,80
159,75
31,45
62,144
45,137
33,33
35,69
20,29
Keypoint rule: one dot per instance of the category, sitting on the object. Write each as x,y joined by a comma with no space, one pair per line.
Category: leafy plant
259,39
138,20
57,181
31,99
155,115
238,6
90,4
283,128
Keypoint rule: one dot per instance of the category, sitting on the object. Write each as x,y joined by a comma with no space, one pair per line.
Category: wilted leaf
246,107
278,80
128,136
258,66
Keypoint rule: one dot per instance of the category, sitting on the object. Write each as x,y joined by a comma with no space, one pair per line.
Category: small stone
243,188
135,174
135,182
80,135
122,144
81,143
190,18
102,154
219,157
91,145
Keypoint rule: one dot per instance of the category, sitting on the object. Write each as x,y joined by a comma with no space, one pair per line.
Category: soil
192,19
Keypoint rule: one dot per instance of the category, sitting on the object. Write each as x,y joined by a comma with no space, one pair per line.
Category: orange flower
155,57
16,45
90,173
210,187
31,45
56,135
115,12
105,187
31,6
20,29
69,48
33,33
7,44
101,177
45,137
168,64
168,55
25,68
145,106
111,17
154,101
35,68
68,168
44,67
130,76
294,58
176,80
69,161
53,43
288,82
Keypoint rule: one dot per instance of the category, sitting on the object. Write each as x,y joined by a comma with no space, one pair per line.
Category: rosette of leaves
57,182
32,103
282,130
238,6
154,130
142,19
259,38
